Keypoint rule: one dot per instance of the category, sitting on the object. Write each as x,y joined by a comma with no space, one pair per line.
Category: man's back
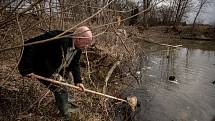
44,58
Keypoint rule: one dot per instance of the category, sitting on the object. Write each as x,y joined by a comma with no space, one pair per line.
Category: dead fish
138,72
152,76
154,62
176,82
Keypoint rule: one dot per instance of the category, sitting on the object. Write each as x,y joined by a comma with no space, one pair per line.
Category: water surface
190,97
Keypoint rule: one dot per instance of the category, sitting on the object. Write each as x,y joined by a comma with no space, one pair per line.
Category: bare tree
183,7
202,3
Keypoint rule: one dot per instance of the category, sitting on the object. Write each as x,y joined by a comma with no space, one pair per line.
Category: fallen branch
109,74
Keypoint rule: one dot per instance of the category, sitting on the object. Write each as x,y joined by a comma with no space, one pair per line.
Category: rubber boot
61,97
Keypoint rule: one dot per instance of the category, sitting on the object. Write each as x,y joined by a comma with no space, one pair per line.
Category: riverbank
112,66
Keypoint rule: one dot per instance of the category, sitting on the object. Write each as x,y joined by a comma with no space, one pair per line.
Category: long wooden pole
75,87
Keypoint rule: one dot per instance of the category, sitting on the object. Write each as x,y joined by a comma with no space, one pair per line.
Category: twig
43,98
16,7
99,34
122,41
6,34
10,2
135,77
88,69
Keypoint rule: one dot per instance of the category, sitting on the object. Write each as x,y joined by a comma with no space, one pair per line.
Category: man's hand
31,75
81,86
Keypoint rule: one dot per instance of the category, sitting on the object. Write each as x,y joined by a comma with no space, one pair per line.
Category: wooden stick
75,87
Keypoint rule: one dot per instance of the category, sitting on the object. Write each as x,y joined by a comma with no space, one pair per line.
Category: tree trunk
177,12
146,14
202,3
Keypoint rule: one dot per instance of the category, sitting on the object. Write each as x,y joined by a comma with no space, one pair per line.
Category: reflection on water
191,97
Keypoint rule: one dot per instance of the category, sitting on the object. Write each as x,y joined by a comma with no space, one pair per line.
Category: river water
190,97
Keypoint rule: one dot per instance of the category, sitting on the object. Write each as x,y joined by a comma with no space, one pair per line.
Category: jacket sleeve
74,67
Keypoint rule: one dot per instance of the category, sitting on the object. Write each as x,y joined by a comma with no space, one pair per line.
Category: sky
207,15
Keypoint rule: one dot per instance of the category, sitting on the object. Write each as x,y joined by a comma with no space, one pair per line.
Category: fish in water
213,82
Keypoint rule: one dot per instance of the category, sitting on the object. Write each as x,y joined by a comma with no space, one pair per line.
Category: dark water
190,97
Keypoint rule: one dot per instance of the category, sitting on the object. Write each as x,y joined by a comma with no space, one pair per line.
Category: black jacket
44,59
